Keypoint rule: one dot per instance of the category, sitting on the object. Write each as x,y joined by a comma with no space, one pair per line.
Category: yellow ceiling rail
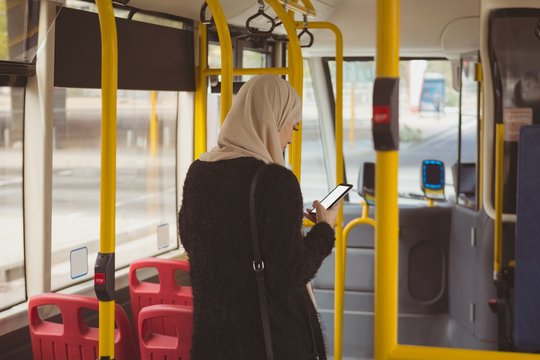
104,272
225,45
306,9
251,71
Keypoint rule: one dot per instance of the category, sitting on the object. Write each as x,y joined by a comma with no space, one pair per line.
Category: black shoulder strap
258,267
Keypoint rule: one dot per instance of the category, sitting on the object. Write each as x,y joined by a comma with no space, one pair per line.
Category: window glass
469,134
92,7
18,30
12,282
146,180
253,59
214,56
428,110
313,181
469,113
157,20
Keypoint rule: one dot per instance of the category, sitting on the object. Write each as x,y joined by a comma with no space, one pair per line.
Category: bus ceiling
436,32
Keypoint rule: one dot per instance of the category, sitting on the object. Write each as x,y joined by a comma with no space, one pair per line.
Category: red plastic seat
73,338
167,291
158,346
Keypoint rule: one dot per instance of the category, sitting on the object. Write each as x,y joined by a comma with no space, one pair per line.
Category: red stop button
381,114
99,279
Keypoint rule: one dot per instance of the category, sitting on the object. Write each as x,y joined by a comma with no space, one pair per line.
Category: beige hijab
264,105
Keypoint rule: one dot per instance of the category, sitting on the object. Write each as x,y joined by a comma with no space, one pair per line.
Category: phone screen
334,196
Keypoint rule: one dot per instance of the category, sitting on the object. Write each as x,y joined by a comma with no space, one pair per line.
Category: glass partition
12,282
146,177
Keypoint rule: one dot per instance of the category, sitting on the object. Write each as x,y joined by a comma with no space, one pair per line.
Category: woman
214,228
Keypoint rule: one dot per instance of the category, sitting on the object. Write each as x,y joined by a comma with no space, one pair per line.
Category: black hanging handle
305,31
256,31
203,15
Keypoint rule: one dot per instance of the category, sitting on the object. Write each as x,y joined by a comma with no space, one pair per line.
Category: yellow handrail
340,243
251,71
201,96
109,76
409,352
225,45
386,180
340,283
307,9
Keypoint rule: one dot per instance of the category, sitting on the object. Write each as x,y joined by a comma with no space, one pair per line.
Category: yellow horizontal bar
409,352
250,71
307,9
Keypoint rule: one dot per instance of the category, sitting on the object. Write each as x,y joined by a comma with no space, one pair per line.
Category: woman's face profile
285,135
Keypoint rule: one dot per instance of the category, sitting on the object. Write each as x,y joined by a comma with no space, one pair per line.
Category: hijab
263,106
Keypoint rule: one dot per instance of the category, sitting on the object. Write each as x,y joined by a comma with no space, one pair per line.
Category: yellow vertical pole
296,78
225,45
109,75
352,119
386,183
499,181
154,135
341,250
201,96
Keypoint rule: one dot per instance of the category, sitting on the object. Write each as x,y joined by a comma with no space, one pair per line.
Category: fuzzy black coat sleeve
292,260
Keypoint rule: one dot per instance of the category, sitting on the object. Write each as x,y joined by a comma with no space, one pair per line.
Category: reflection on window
11,197
18,30
146,181
314,183
428,110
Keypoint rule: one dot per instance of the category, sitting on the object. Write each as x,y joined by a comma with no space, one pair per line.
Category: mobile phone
334,196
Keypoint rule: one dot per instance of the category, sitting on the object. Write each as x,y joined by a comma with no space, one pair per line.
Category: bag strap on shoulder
258,267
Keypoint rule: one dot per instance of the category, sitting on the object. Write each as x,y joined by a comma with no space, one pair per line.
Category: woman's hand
323,215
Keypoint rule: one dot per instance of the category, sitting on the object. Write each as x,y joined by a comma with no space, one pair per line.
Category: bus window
214,56
314,182
253,59
469,135
428,107
12,282
146,176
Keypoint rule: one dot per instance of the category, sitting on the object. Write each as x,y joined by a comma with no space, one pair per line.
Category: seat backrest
158,346
527,277
167,291
73,338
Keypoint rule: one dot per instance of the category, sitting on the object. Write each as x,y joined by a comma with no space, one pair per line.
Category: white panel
78,262
163,236
38,160
461,36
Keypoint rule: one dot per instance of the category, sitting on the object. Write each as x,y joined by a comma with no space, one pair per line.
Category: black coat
215,231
